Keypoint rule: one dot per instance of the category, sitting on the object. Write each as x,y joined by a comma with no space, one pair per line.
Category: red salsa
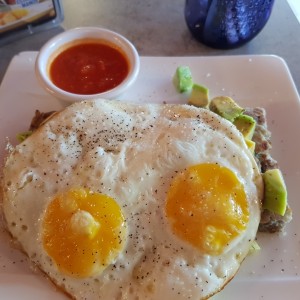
89,68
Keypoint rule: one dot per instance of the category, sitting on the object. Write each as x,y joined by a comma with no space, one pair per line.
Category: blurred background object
226,24
20,18
295,5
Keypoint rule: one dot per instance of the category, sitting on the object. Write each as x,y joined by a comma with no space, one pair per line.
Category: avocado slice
226,107
182,79
246,125
275,194
199,96
251,145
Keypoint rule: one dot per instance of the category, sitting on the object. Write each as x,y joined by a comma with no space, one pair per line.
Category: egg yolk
207,207
83,232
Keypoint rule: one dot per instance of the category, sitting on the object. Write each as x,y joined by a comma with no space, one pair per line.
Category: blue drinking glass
226,24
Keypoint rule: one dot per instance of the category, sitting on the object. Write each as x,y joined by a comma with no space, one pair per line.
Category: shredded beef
39,118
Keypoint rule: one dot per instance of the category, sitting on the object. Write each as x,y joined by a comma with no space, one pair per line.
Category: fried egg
126,201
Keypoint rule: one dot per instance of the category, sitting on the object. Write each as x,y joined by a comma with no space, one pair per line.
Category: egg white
130,152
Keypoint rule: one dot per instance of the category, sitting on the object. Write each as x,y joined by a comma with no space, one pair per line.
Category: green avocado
22,136
246,125
199,96
226,107
275,194
182,79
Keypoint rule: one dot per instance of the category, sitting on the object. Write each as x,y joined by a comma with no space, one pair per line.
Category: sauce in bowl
88,67
87,63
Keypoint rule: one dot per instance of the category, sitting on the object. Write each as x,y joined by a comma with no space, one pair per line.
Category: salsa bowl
87,63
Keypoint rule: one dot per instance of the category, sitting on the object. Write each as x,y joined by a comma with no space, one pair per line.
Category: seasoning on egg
89,67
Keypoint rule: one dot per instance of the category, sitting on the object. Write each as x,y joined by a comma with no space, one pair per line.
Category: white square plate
273,272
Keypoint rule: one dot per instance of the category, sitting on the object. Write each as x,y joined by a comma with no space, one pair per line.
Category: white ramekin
61,41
